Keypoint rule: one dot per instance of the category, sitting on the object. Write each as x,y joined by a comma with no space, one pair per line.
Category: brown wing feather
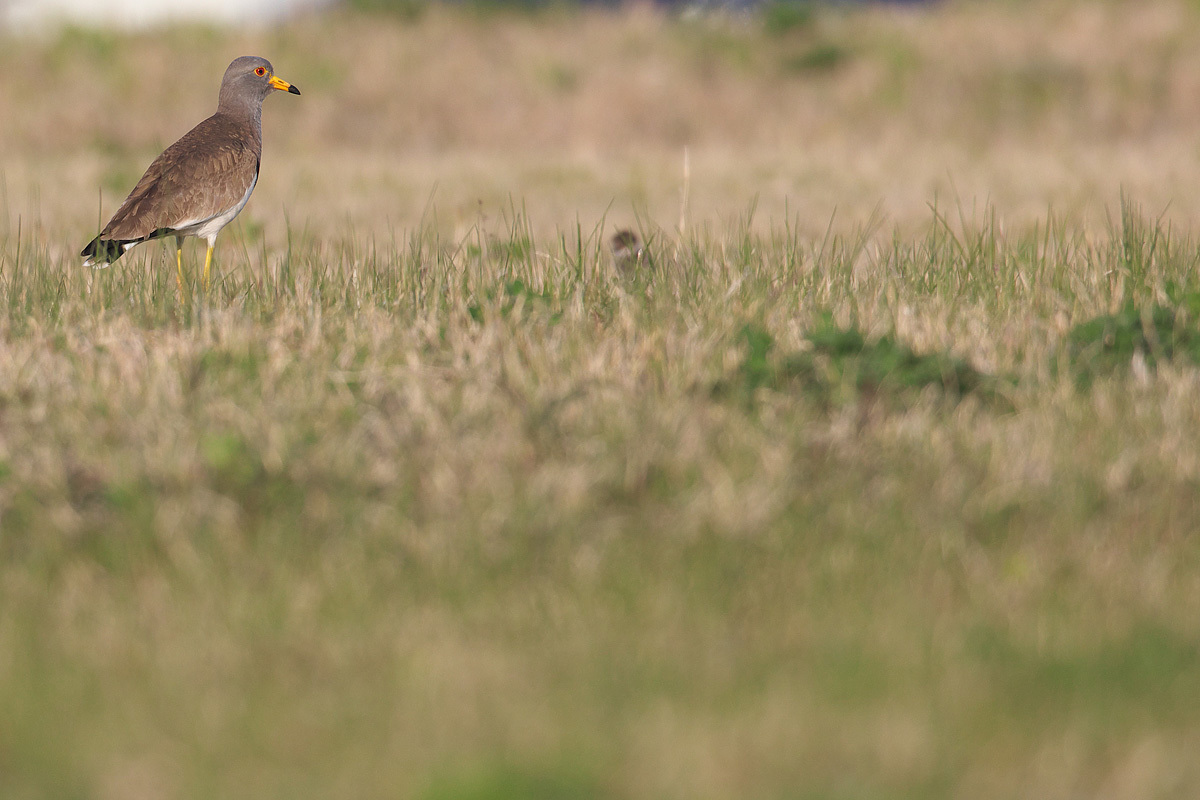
203,174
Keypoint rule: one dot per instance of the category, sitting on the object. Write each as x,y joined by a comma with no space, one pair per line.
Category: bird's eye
260,71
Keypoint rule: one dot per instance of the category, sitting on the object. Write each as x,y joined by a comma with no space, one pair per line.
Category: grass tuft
1112,343
839,365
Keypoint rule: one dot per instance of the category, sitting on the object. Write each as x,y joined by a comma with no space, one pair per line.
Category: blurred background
149,12
810,115
125,13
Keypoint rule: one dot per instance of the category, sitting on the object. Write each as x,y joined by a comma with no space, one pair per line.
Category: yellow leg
207,264
179,267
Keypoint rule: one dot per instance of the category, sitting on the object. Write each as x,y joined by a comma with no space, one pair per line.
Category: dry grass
424,501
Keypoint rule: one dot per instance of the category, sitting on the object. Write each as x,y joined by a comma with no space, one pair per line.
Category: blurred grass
437,521
425,500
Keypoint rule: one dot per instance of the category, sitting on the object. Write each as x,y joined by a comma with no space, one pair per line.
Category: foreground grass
475,519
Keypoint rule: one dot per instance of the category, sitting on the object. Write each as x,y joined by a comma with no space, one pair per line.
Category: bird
200,183
628,252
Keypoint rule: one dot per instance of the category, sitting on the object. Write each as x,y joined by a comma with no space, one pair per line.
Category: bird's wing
204,174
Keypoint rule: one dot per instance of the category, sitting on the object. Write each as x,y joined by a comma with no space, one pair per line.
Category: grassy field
879,479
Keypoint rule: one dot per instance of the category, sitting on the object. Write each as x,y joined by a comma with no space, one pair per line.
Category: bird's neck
241,108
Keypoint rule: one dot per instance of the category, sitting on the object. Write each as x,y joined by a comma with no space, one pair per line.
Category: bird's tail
99,253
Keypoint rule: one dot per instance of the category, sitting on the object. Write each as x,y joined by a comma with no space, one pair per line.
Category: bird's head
250,79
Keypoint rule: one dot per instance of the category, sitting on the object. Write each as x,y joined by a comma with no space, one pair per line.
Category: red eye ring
260,71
